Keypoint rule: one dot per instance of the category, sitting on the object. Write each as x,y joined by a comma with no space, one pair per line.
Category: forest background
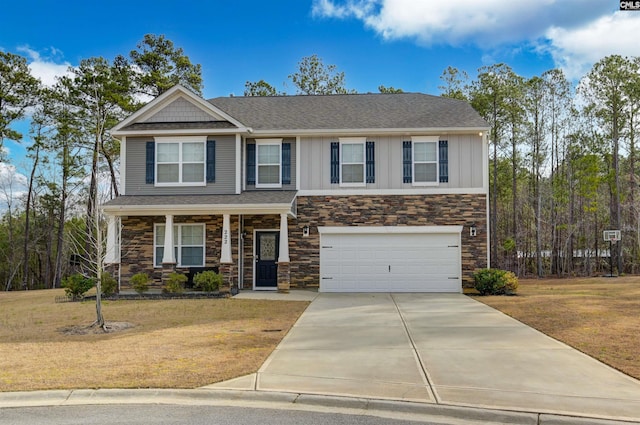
563,157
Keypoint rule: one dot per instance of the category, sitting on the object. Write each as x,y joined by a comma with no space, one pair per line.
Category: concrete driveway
440,348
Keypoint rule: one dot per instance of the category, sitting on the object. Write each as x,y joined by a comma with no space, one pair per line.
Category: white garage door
418,259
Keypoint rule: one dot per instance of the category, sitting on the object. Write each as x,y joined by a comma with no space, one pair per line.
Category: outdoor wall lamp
305,231
473,231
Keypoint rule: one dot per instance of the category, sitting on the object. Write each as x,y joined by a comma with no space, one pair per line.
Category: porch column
284,240
169,256
112,256
225,254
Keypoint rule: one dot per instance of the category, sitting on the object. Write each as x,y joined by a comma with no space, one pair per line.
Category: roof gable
177,105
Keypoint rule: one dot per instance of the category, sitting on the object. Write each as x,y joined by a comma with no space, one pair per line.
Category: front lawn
598,316
172,344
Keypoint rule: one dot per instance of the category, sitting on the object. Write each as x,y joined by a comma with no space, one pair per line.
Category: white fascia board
412,191
369,131
179,132
205,209
169,96
352,230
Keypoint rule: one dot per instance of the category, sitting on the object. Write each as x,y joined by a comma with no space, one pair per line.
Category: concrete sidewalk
439,348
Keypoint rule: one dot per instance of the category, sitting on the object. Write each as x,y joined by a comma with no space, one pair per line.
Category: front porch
248,242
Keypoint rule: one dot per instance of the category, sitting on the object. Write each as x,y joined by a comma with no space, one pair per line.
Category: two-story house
361,192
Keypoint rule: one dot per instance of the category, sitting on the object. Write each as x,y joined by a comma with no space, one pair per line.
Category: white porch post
225,254
169,256
284,240
112,256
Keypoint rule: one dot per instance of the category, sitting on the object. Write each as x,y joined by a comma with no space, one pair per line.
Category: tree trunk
61,218
27,218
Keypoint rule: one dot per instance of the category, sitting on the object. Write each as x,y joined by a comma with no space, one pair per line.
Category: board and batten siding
465,163
225,170
292,142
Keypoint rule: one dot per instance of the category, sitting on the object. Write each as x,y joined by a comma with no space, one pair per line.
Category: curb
436,413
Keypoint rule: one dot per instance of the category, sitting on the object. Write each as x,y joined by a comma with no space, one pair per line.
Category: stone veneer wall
137,244
314,211
394,210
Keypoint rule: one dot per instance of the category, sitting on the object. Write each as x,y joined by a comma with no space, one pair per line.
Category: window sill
423,184
195,184
353,185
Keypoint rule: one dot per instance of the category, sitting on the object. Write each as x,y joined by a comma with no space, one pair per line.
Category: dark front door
267,247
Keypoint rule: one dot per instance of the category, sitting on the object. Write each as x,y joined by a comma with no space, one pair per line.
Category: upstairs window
420,161
425,162
180,161
268,163
352,162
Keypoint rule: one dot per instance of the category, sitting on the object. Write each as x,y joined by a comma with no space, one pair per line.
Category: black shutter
211,161
407,175
335,162
443,161
286,163
251,164
371,162
151,162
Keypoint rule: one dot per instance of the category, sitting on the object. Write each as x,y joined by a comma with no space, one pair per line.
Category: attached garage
390,259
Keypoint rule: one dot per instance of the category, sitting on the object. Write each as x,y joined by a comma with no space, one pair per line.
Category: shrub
207,281
108,284
175,283
495,282
76,285
140,282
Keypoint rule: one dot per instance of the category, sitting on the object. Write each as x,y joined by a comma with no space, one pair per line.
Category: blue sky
401,43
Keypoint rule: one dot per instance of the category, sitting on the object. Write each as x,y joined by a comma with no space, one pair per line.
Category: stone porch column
284,275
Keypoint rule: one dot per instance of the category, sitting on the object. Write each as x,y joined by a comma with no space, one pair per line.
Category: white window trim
178,244
354,141
267,142
425,139
180,141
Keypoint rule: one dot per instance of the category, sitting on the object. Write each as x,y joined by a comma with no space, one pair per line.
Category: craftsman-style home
347,193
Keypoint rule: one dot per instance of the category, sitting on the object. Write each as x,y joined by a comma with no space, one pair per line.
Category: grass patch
598,316
172,344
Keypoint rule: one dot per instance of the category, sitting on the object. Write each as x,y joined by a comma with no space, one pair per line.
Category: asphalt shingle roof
245,198
351,111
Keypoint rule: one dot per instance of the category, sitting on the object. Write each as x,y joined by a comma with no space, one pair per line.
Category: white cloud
486,23
45,68
575,32
13,185
576,50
